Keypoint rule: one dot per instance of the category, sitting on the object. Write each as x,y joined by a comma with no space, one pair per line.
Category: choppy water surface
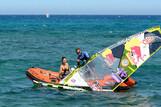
27,41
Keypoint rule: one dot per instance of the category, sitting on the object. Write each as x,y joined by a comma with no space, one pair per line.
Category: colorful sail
107,69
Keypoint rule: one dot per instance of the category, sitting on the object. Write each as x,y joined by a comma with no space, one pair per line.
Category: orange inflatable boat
43,75
48,76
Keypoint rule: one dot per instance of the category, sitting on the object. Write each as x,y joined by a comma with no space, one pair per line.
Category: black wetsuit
83,57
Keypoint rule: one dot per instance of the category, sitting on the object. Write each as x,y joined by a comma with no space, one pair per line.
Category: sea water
37,41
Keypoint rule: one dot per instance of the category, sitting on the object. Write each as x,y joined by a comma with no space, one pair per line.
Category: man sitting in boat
64,68
82,58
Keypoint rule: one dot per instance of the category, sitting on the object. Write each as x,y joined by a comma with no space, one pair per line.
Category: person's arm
78,62
60,72
87,55
60,69
69,67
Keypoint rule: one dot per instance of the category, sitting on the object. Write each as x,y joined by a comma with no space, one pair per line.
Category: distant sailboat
47,15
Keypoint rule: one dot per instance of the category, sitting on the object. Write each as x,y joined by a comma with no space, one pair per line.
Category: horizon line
84,14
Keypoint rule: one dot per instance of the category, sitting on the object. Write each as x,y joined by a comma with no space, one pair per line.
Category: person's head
78,51
64,60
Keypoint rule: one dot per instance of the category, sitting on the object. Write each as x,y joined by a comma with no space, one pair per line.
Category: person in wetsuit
82,58
64,68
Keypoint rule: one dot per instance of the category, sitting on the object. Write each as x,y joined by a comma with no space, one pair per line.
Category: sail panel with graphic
107,69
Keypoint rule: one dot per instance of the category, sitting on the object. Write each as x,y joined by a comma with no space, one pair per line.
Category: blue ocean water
27,41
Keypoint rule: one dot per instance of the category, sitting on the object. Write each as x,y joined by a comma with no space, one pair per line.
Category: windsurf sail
110,67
